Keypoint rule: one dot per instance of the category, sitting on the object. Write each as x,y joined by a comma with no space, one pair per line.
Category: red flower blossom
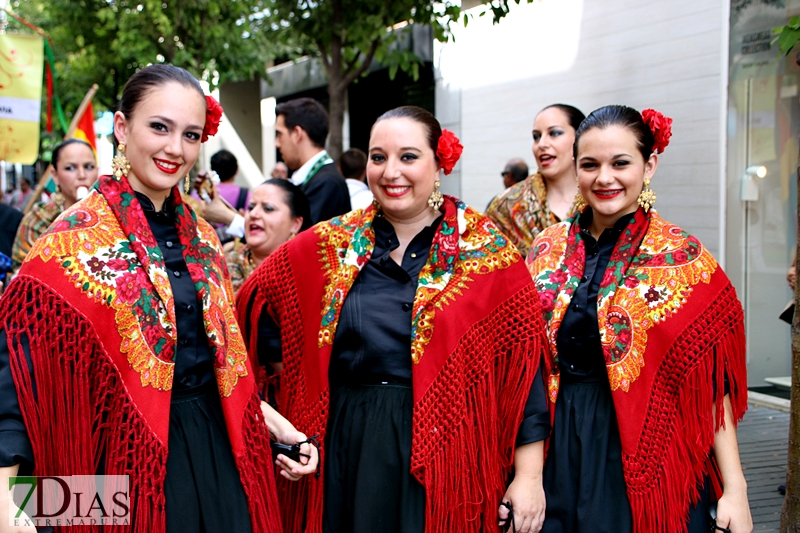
680,256
130,285
624,337
631,282
559,277
449,244
196,272
661,126
213,117
448,151
95,265
547,300
117,264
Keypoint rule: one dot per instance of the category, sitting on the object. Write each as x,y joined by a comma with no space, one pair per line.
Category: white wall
643,53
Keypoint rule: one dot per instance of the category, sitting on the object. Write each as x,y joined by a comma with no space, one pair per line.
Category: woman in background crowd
525,209
74,172
647,372
278,211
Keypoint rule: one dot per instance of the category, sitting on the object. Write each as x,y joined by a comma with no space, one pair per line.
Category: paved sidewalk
763,440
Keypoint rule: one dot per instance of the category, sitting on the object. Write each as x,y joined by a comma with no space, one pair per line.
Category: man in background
300,131
353,166
516,170
281,171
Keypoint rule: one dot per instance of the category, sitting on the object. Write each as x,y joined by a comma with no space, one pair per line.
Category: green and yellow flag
21,68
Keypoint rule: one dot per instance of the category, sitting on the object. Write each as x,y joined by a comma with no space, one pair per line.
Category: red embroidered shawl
94,300
670,323
477,336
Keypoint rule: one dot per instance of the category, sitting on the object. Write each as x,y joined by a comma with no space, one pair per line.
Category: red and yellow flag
85,128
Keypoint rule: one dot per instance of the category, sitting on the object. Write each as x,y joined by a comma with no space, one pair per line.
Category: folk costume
521,212
633,399
33,225
419,377
240,264
120,336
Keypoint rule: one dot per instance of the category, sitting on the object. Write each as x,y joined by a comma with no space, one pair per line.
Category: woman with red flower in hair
411,344
646,374
119,349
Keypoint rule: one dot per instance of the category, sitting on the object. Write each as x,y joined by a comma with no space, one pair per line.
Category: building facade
708,65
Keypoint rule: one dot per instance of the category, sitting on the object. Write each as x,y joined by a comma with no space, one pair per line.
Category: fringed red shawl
94,302
477,335
670,326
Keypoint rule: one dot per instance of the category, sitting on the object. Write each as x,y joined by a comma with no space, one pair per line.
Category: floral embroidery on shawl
649,278
462,245
105,247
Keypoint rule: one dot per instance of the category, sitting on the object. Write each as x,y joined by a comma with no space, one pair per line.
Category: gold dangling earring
120,163
580,203
58,197
187,184
435,200
647,197
376,205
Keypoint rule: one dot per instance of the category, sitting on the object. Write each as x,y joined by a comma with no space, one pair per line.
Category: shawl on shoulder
670,326
94,303
477,335
521,212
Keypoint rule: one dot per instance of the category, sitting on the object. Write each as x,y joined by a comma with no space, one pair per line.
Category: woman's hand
526,493
526,496
284,432
218,211
733,511
309,457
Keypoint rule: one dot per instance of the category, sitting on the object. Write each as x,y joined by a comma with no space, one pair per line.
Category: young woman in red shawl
410,337
646,374
119,337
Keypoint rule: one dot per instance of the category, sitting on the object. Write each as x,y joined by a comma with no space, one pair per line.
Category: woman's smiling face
162,138
402,168
611,172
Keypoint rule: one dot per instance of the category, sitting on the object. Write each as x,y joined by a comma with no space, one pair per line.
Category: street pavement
763,440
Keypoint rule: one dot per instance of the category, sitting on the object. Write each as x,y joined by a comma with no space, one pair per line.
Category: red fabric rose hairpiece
448,151
661,126
213,118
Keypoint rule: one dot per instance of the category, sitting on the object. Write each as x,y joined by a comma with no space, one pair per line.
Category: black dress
202,488
368,484
584,482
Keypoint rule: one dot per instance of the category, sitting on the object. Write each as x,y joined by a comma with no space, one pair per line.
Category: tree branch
348,78
326,62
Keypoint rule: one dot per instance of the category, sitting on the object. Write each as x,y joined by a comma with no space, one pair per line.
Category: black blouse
193,363
580,353
372,343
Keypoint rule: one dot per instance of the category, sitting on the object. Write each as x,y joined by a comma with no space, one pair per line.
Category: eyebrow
171,123
401,149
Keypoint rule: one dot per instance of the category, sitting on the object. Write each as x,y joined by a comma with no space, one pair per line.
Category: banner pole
70,132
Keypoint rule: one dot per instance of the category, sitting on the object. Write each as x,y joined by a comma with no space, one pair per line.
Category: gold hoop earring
435,200
187,184
120,163
647,197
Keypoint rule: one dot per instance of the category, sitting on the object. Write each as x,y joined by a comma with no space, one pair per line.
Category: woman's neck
601,223
407,229
561,191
